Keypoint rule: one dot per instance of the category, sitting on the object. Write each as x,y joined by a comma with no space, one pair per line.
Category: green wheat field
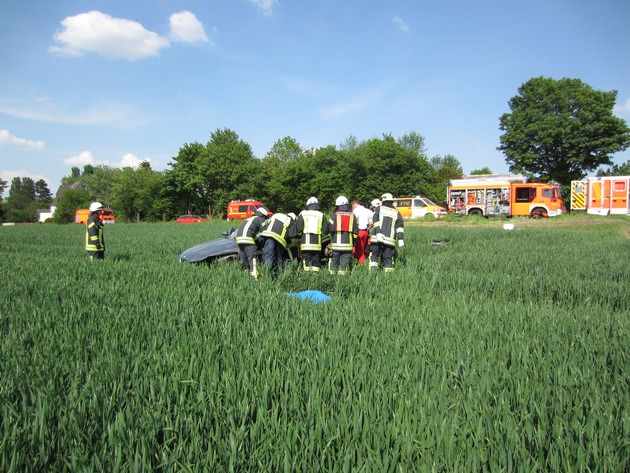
497,351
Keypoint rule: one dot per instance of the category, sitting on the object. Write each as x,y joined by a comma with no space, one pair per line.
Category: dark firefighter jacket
280,227
249,230
94,239
389,222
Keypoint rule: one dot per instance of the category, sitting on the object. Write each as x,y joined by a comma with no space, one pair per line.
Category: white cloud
81,159
623,110
86,157
187,28
400,24
265,6
131,160
114,38
116,115
7,138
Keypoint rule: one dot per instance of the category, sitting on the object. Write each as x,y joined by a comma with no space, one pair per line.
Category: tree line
556,130
203,178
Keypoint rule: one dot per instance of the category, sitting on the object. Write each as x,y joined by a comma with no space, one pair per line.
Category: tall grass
497,351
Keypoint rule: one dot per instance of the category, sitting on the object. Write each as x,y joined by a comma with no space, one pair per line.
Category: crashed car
214,250
226,248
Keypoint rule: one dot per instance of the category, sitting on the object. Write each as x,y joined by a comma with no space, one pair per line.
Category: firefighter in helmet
246,238
278,230
311,225
94,238
388,229
344,229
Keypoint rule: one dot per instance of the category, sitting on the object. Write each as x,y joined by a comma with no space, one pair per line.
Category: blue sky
116,82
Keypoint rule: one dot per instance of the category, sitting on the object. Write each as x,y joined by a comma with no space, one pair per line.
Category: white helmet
387,197
376,203
292,215
262,211
341,200
94,206
312,200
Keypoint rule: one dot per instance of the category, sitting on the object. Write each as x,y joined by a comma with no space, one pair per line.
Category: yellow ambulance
418,207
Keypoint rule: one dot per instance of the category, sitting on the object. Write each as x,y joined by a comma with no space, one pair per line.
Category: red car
189,219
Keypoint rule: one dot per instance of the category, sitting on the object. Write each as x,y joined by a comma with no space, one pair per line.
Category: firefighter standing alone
388,227
94,239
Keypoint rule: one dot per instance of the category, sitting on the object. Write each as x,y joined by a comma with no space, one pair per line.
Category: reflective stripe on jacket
344,228
277,228
311,223
390,224
94,240
248,230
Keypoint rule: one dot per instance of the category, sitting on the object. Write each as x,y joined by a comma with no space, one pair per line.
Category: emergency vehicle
105,215
499,194
242,209
418,207
602,195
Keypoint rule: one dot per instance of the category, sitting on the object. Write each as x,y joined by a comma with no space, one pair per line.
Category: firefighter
388,227
373,249
278,230
246,238
344,229
94,239
311,225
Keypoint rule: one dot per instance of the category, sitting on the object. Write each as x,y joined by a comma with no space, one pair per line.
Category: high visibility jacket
389,222
249,229
94,239
280,227
310,225
344,229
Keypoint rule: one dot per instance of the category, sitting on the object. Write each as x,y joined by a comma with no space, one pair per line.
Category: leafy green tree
184,183
616,170
227,170
561,129
3,186
99,182
135,192
413,141
283,172
482,171
446,169
69,201
392,167
43,196
21,204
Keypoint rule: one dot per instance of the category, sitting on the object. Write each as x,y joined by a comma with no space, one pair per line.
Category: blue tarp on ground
313,296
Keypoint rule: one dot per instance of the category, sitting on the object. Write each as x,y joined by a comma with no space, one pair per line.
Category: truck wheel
538,213
475,213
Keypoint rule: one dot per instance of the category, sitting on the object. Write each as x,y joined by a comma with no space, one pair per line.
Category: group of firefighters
354,231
